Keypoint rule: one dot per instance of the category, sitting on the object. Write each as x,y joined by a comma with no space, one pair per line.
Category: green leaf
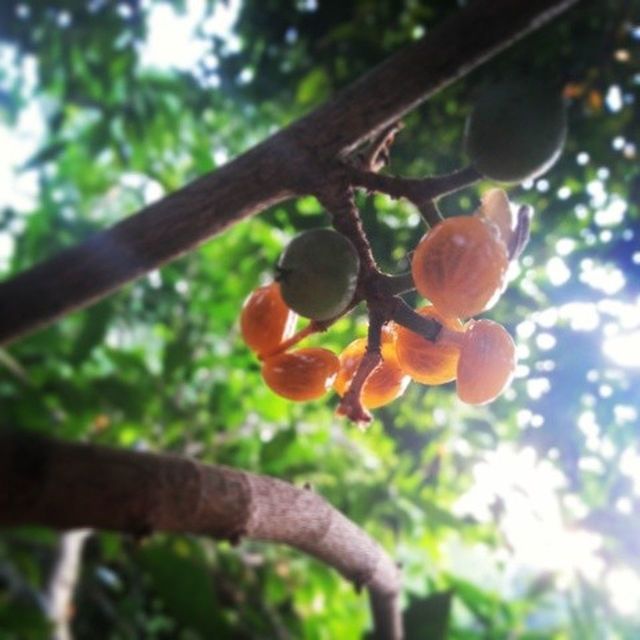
185,586
46,154
94,328
428,618
313,88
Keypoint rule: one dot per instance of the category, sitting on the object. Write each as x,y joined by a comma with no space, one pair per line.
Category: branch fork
379,290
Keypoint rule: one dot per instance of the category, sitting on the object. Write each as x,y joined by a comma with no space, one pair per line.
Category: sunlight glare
19,189
582,316
630,466
612,214
557,271
623,349
623,585
528,489
172,40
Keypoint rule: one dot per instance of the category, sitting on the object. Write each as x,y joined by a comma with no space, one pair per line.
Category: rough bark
69,485
290,162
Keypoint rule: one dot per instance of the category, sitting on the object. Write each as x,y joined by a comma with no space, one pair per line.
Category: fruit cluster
460,266
515,132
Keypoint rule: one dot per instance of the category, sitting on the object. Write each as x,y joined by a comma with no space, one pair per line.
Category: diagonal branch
448,52
289,163
69,485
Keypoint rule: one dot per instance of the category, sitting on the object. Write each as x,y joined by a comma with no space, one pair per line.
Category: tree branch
69,485
162,231
288,163
417,190
448,52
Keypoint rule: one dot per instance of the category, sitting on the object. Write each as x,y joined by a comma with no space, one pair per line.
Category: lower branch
69,485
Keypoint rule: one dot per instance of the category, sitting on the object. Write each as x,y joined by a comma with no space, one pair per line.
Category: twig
351,405
14,367
313,327
395,285
404,315
339,200
430,213
417,190
377,155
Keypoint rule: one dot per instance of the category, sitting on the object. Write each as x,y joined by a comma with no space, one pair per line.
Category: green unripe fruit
516,131
318,273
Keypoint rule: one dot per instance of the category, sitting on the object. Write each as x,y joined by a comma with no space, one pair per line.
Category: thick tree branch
164,230
452,49
69,485
286,164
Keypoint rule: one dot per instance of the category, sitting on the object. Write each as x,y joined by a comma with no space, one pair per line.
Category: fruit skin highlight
516,131
427,361
305,374
387,381
265,319
496,208
487,362
461,266
318,273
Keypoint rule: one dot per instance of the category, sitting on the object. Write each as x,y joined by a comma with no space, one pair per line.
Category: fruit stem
351,405
431,213
398,284
417,190
346,219
310,329
404,315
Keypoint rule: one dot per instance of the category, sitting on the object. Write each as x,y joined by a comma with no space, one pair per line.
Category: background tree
526,509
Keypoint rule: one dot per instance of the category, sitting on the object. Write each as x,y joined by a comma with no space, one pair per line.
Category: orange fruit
426,361
461,266
265,319
496,207
487,362
305,374
387,381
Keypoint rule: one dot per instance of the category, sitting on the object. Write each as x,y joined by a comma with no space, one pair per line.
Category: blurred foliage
447,489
